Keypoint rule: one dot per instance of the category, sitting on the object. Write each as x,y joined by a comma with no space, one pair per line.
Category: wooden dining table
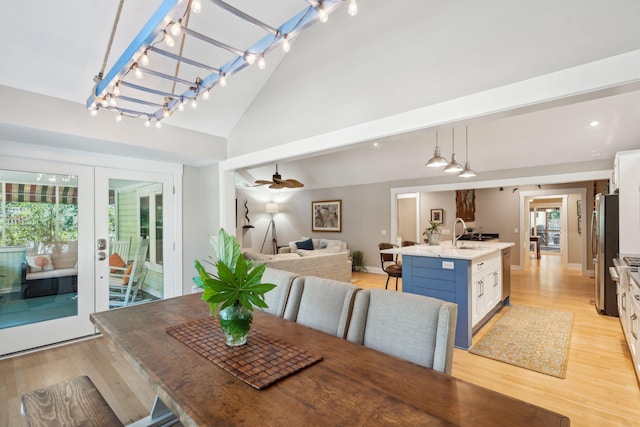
351,384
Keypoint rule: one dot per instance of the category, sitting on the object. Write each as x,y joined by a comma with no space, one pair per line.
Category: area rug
533,338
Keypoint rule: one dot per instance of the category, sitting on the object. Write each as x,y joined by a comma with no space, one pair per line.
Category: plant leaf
235,278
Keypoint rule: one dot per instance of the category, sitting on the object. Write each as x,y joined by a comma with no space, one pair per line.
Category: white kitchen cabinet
629,312
486,280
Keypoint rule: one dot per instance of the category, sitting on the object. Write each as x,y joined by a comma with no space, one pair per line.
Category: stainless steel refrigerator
604,248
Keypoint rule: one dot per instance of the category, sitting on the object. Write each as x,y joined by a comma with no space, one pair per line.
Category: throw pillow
116,261
332,243
39,263
127,274
322,245
305,244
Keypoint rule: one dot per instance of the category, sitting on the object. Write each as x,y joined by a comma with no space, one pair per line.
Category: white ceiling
55,49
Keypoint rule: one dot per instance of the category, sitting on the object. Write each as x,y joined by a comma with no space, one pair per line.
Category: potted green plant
433,233
234,289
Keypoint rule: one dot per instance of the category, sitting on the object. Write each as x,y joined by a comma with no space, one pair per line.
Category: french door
58,223
47,232
134,221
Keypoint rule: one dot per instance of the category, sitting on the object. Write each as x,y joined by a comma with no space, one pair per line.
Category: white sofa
334,266
320,247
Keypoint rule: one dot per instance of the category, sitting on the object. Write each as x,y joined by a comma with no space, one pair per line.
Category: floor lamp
271,208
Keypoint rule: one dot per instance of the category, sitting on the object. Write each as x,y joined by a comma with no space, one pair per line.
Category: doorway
408,225
555,217
135,221
545,219
58,223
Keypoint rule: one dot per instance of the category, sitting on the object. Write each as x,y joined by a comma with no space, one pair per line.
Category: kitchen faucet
454,238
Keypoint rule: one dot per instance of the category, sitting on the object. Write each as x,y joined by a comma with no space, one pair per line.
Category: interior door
134,221
46,256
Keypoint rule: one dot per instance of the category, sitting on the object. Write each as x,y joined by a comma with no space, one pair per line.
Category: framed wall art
437,215
326,215
466,205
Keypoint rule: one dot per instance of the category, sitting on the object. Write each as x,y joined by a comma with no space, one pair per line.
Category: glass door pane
40,267
133,224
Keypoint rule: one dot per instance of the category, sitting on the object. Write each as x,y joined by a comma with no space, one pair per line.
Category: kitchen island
470,275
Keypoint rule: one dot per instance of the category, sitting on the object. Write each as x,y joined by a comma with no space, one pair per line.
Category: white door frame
525,196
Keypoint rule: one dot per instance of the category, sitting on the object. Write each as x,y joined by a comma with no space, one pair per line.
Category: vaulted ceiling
52,51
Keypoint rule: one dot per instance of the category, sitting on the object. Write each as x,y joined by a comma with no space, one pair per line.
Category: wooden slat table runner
263,361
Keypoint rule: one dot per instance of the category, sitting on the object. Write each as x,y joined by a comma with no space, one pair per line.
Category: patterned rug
529,337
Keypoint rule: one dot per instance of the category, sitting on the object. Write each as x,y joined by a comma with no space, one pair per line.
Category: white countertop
465,249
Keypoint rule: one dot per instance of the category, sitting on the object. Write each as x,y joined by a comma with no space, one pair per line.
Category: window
151,217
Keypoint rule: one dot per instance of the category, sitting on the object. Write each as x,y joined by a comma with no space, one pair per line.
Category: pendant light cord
100,75
466,142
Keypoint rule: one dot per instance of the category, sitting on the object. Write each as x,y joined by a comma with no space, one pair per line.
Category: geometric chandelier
171,64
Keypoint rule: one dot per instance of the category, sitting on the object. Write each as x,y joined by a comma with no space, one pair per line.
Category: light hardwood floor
600,388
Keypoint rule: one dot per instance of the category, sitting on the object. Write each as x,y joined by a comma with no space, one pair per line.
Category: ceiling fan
278,182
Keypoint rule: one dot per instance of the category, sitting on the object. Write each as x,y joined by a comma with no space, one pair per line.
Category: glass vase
235,322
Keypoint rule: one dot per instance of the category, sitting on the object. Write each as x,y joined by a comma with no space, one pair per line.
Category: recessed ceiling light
594,123
376,144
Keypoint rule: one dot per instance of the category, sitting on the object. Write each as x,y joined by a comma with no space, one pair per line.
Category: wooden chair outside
123,289
122,248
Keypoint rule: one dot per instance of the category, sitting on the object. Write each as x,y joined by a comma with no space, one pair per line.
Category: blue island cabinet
447,279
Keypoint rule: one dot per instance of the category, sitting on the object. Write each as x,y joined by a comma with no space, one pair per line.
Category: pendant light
437,161
467,172
453,166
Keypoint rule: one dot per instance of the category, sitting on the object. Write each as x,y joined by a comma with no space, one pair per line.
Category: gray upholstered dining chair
276,299
413,327
321,304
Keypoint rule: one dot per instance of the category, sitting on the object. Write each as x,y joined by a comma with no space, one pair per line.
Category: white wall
628,176
193,238
360,69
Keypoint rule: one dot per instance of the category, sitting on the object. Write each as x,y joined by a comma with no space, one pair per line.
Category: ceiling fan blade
263,182
294,183
277,185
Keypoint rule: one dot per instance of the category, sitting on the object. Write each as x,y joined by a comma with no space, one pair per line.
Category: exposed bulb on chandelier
116,90
286,46
138,73
176,28
262,64
168,40
147,123
353,8
93,112
323,16
144,59
250,58
158,124
196,6
119,118
223,80
194,104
